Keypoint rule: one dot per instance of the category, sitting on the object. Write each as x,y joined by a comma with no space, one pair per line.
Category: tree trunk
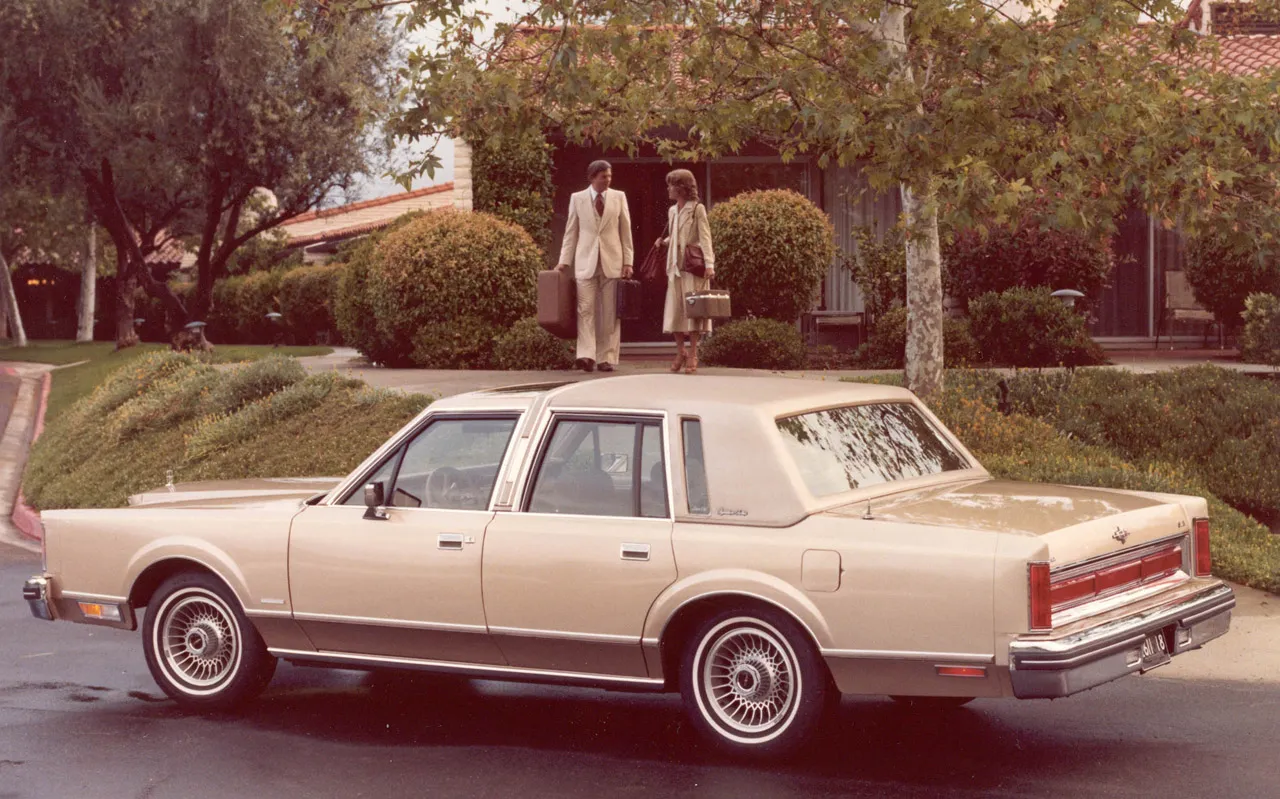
924,356
88,286
10,300
126,285
4,321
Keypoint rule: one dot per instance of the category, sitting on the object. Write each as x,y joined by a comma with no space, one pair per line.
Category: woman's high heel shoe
692,366
678,364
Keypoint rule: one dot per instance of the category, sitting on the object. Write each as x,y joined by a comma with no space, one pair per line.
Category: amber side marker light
92,610
1204,557
962,671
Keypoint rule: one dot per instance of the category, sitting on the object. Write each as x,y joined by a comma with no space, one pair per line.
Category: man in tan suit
597,244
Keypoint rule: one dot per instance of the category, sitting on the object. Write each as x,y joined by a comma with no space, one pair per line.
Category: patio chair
1180,305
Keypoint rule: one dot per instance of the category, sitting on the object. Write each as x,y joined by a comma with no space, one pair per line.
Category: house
1126,314
319,233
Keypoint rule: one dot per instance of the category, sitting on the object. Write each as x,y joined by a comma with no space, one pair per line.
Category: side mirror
374,500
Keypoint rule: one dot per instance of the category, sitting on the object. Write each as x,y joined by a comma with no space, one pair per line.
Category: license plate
1155,651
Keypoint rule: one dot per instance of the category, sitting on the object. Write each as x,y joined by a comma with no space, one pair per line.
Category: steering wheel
444,487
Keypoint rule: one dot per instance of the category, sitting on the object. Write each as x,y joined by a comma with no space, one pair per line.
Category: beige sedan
760,545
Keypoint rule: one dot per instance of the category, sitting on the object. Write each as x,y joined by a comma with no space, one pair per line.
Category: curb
25,517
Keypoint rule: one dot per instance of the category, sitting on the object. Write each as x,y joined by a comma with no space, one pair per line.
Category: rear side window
602,467
842,449
695,468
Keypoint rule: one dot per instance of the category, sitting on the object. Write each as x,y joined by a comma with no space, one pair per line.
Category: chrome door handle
635,552
449,541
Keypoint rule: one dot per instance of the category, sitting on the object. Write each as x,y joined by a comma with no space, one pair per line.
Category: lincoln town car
761,546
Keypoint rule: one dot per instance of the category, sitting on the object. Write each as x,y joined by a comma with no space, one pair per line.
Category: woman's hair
685,183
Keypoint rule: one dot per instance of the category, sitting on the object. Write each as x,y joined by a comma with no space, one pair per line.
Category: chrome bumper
1101,651
36,592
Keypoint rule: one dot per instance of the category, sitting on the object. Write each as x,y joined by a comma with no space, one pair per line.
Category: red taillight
1040,600
1204,558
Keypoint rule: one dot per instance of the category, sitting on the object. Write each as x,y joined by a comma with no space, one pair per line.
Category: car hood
248,492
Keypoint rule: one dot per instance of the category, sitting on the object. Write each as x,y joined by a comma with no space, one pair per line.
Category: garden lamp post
274,318
1068,296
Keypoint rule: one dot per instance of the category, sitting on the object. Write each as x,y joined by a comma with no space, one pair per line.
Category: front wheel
199,646
753,684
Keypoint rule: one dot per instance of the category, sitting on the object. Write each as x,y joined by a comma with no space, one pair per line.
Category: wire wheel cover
749,678
199,641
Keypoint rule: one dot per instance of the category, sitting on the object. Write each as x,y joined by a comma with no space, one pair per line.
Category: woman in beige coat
687,223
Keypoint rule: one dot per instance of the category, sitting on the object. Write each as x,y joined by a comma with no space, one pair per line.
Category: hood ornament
1121,535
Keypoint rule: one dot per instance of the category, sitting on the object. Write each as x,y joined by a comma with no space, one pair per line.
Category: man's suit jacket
605,240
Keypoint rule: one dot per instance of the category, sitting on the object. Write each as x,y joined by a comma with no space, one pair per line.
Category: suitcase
711,304
630,300
558,303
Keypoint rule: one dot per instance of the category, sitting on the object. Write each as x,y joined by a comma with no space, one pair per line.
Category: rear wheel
753,684
199,646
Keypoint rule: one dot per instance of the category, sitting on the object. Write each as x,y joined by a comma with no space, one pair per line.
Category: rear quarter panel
102,552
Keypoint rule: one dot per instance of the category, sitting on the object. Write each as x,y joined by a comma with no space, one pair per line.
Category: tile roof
360,206
339,234
1249,54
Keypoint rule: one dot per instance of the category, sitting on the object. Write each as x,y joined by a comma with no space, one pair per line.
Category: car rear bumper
36,592
1096,651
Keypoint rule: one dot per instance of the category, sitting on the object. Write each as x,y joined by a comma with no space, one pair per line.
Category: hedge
755,344
887,346
306,300
771,251
1025,256
1029,327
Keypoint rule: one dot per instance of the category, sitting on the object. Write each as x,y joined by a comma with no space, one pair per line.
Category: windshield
842,449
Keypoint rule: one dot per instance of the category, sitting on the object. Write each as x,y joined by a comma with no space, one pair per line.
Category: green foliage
772,249
755,344
1028,327
1219,425
1025,256
1260,339
238,314
1224,272
886,349
306,300
444,266
253,381
526,346
511,179
352,309
263,253
466,342
303,429
879,268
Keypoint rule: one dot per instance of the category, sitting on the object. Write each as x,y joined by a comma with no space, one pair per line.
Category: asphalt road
80,717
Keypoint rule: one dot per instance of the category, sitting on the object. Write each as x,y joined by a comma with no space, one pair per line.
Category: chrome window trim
476,668
375,621
337,496
540,440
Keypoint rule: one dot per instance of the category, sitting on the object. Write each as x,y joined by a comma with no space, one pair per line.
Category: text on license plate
1155,651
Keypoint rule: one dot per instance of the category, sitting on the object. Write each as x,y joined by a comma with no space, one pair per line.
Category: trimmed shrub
887,347
511,179
1223,274
755,344
1260,339
352,310
526,346
306,301
771,251
185,394
1025,256
1028,327
239,308
132,382
444,266
464,343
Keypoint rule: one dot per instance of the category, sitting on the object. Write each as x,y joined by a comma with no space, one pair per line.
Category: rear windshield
842,449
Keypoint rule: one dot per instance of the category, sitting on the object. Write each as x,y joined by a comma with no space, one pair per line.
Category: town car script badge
1120,535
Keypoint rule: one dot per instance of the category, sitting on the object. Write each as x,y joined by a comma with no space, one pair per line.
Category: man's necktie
599,204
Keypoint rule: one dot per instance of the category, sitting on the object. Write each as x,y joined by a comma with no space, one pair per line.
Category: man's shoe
605,367
585,364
